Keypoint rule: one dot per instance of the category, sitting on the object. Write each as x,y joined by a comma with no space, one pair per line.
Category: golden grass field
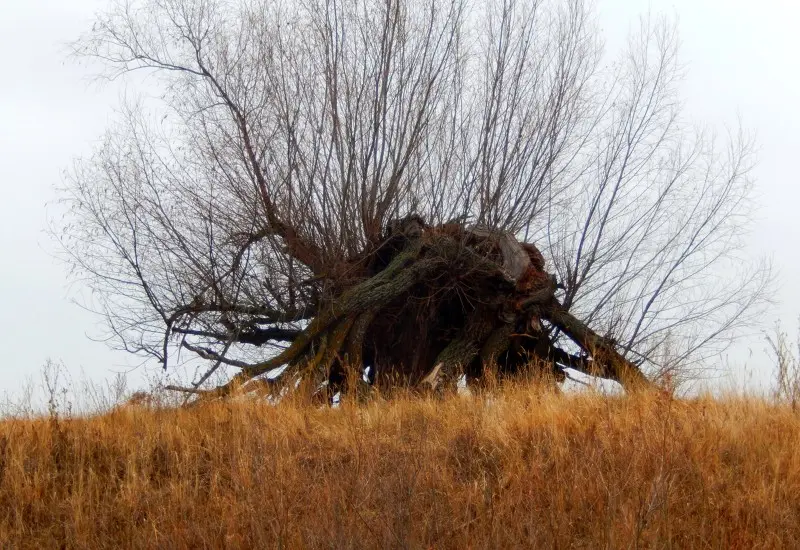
518,468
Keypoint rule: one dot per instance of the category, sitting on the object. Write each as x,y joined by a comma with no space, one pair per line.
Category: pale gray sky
741,58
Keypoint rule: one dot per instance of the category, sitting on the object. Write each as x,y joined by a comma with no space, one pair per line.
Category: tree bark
436,302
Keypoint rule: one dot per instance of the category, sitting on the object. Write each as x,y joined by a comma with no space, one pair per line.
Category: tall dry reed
519,467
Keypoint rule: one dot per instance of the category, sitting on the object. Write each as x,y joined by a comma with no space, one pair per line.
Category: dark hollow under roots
435,302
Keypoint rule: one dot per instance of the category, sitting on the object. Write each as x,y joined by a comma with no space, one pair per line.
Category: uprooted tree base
432,302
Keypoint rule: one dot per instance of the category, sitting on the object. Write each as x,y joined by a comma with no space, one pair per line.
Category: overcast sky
742,59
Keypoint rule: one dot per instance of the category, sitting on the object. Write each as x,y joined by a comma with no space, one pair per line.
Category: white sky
742,58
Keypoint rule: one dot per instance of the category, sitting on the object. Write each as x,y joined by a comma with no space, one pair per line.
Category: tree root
443,304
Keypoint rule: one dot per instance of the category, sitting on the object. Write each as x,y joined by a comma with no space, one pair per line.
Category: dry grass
521,468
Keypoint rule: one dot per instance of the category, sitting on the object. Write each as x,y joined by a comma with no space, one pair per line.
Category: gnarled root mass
433,302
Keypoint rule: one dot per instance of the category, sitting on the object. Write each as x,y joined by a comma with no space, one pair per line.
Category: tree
325,185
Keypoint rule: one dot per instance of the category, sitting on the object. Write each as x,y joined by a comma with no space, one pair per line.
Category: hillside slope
519,468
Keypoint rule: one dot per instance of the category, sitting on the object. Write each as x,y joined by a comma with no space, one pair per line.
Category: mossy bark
436,302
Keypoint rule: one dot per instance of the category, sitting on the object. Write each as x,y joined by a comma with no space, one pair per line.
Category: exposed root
433,302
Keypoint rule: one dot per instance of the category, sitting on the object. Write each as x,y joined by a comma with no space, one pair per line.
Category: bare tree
326,183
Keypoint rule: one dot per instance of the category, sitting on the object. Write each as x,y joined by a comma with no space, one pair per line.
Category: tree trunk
435,302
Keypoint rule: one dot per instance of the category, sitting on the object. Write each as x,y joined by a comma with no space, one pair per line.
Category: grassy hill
521,467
